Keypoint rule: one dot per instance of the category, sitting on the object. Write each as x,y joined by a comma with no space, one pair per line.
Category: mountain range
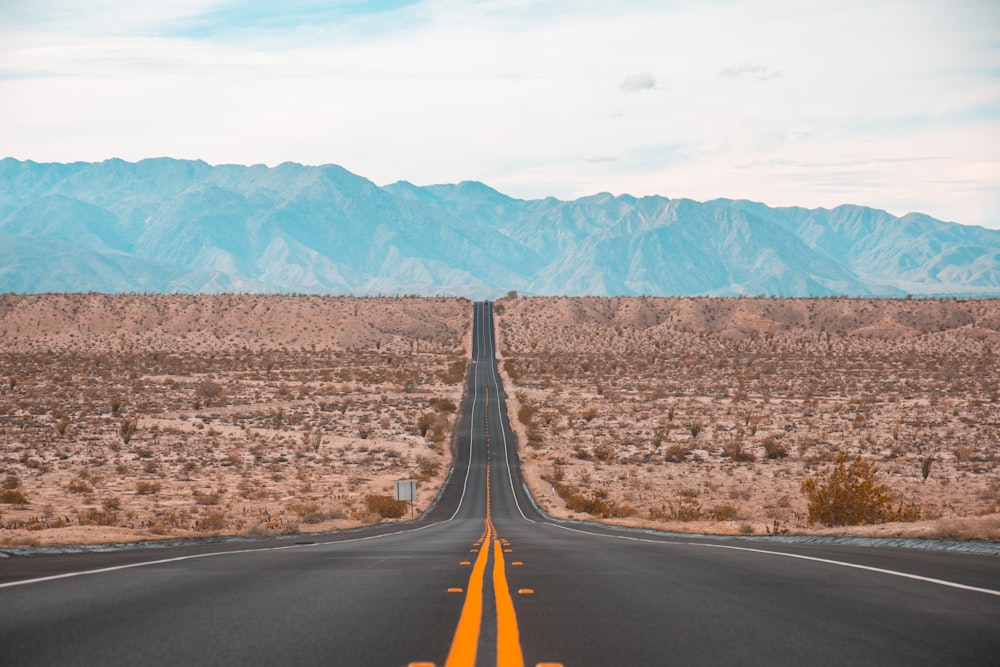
166,225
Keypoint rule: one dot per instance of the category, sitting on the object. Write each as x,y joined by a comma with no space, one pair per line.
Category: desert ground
126,418
707,415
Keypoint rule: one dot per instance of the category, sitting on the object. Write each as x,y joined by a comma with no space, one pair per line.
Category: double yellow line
466,641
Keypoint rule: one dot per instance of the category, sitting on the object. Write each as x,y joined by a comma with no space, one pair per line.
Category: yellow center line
466,640
508,637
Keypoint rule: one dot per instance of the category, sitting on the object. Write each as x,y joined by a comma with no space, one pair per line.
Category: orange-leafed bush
851,496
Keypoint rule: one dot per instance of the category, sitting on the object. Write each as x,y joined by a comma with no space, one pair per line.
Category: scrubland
709,415
128,418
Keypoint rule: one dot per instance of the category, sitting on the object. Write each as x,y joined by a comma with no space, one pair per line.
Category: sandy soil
258,415
706,415
253,415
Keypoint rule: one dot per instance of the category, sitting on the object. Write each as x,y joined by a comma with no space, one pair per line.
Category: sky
885,103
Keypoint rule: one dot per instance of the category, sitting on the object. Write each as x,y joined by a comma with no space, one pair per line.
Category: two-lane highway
485,579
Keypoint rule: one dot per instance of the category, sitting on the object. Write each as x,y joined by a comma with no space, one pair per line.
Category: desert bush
738,453
207,498
62,426
13,497
97,517
724,512
320,517
686,509
455,373
127,429
676,454
428,467
526,413
925,466
445,405
773,448
209,390
604,452
79,485
851,496
386,507
597,504
589,414
425,422
12,482
147,488
212,521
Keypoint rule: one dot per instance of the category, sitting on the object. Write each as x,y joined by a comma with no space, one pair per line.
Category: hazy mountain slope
176,225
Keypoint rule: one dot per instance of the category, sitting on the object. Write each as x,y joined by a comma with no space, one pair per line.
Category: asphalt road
484,579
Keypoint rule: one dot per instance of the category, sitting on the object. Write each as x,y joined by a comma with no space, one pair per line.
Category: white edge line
116,568
905,575
503,431
879,570
472,418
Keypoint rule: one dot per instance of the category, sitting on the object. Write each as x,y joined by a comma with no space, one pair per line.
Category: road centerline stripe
508,638
466,640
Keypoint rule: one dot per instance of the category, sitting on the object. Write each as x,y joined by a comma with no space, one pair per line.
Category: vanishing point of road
483,578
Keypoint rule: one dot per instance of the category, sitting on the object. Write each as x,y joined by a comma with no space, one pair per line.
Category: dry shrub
425,422
773,448
386,507
98,517
597,504
445,405
79,485
455,373
851,496
212,521
13,497
686,509
737,453
604,452
724,512
207,498
428,467
676,454
147,488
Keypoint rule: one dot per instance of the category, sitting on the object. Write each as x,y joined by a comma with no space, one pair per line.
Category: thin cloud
637,83
759,72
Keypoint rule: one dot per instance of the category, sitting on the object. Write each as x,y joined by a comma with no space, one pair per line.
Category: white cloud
527,96
637,83
759,72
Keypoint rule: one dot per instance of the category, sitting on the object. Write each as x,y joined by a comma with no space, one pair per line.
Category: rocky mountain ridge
166,225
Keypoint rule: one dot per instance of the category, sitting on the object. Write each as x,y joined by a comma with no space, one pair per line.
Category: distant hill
165,225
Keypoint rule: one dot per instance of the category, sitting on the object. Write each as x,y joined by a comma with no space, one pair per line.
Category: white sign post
406,489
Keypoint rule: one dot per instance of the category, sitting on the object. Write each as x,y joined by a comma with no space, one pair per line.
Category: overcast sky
891,104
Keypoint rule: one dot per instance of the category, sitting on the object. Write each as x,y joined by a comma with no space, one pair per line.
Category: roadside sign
406,489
